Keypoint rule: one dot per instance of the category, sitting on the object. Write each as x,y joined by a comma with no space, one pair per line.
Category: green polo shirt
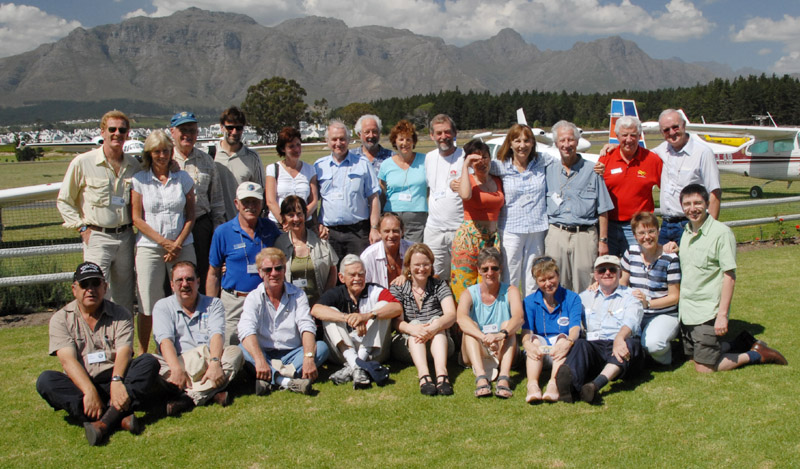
705,257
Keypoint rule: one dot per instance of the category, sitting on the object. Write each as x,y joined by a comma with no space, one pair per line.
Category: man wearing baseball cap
235,244
611,348
93,339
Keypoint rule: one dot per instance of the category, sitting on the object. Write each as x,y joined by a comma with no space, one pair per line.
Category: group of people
368,253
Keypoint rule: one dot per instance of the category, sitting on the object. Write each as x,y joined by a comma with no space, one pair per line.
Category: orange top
484,206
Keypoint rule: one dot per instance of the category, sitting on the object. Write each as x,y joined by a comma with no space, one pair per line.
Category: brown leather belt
236,293
117,230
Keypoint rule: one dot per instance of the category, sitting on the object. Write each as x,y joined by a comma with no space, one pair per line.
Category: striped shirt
525,210
654,280
436,291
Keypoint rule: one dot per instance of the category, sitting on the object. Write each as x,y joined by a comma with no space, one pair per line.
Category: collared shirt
207,187
344,189
525,209
445,209
383,154
338,297
653,280
567,314
322,256
406,190
576,198
242,166
163,204
171,322
631,184
232,246
376,265
92,194
286,185
436,291
278,328
693,164
114,330
607,315
705,257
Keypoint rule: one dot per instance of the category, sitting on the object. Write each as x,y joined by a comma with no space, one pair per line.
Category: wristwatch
309,354
373,315
604,240
504,332
116,378
213,359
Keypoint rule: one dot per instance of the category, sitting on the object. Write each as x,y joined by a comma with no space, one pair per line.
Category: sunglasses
268,270
539,260
602,270
494,268
650,232
90,283
231,128
113,130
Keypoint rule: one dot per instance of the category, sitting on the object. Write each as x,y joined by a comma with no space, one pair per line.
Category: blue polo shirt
539,320
344,189
232,246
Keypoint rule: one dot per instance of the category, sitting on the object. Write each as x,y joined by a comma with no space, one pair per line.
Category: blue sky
741,33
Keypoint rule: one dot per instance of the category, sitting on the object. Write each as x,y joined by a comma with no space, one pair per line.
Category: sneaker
342,376
360,378
262,387
300,385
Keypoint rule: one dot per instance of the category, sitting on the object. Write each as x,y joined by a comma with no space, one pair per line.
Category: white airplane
130,147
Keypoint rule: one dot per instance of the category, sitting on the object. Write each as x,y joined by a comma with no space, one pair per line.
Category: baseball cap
182,118
87,270
250,189
606,259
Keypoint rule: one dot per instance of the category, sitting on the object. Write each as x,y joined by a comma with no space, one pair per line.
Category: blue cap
182,118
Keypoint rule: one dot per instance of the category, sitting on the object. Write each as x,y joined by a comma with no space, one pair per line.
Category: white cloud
764,51
23,28
786,31
788,63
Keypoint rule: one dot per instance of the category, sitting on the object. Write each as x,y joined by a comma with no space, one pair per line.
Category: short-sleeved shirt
163,204
171,322
93,194
287,185
406,190
436,291
114,329
243,166
383,155
207,187
582,193
525,209
693,164
705,257
344,189
490,318
630,185
607,315
339,298
653,281
375,264
232,246
278,328
567,314
445,210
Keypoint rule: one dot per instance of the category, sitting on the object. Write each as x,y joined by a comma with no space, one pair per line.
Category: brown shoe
95,432
179,405
768,354
222,398
132,424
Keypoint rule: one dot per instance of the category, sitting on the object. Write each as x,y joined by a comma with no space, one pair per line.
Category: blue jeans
671,232
293,357
620,236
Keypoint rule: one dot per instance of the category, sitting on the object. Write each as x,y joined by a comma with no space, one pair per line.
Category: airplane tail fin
521,117
620,108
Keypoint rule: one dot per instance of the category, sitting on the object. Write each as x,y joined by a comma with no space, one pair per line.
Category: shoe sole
92,435
564,384
588,392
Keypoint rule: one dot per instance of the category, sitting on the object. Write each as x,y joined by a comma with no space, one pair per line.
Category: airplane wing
765,133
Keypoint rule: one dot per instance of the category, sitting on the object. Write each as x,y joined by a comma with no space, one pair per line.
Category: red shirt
631,184
483,206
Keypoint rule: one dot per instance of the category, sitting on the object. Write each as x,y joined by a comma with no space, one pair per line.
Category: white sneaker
342,376
360,378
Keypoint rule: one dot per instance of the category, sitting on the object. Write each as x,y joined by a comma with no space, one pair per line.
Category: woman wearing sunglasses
489,315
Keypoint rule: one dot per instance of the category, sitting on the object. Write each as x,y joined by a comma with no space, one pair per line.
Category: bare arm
467,325
728,284
177,373
214,371
714,199
312,204
119,394
332,276
92,405
374,217
515,303
326,313
602,247
464,187
309,365
673,295
272,199
213,279
620,348
263,372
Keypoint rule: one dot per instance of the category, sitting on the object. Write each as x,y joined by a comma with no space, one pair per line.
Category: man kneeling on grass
278,332
189,329
611,348
93,339
708,269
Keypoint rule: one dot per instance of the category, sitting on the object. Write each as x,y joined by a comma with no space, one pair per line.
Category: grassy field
664,418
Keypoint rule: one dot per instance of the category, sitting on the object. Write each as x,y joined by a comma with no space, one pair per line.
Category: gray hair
568,125
626,122
665,112
440,119
357,127
490,254
351,259
336,123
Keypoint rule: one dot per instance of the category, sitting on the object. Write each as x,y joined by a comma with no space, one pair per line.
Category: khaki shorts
701,343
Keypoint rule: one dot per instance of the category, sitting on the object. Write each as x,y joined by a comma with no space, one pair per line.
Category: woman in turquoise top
489,315
403,181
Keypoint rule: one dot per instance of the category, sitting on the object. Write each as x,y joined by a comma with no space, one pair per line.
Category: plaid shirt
525,210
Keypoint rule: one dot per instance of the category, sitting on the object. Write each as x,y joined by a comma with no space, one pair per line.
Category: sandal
503,392
443,387
426,386
484,390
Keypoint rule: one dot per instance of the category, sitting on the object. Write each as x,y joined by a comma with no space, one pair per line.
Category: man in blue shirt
611,348
348,191
235,245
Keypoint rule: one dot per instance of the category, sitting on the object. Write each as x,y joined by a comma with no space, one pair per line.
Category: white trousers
440,242
519,251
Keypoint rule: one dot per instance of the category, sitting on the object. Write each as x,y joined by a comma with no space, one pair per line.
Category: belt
352,227
674,219
116,230
573,228
233,292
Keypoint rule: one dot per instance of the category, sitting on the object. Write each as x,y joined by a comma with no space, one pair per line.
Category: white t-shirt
287,185
445,210
693,164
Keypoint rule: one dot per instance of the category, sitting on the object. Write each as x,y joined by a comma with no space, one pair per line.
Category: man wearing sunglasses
93,339
235,162
611,348
95,200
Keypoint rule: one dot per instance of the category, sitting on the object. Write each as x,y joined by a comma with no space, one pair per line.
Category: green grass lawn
665,418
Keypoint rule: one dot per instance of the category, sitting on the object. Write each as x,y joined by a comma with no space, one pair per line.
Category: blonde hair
270,253
158,139
416,248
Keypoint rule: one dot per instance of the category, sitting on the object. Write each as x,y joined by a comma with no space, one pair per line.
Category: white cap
250,189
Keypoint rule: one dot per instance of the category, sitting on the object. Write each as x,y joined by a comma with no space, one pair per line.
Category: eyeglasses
185,279
601,270
90,283
665,130
231,128
494,268
113,130
268,270
651,232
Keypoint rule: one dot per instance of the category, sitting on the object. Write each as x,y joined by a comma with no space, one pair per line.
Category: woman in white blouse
162,208
290,176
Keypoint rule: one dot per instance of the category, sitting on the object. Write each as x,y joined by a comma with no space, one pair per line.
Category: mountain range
209,59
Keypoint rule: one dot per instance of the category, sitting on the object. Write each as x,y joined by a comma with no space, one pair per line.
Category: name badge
336,196
490,329
439,195
593,335
546,349
252,269
300,282
404,197
556,198
238,246
563,321
96,357
117,200
616,171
